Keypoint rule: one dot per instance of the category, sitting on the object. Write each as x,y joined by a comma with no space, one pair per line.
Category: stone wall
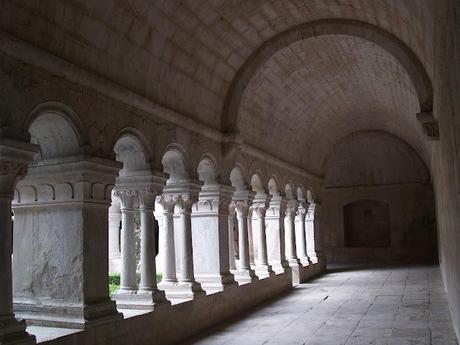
378,167
446,158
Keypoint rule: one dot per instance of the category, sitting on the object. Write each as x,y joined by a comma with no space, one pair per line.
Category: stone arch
257,182
290,190
174,163
300,192
391,43
238,177
131,149
273,186
207,170
56,129
310,196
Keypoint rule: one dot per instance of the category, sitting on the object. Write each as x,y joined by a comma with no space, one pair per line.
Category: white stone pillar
148,283
71,242
167,248
291,255
244,273
300,235
263,269
14,157
210,233
231,236
183,194
128,279
114,235
310,232
274,220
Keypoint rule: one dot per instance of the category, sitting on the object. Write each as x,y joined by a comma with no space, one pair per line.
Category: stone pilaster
289,225
62,208
14,159
232,224
243,200
274,220
114,235
210,233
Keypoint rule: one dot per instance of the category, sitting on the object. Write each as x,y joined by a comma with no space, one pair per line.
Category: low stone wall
174,324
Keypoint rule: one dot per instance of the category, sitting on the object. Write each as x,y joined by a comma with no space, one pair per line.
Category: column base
65,314
245,276
182,290
295,267
279,267
264,271
142,300
212,284
13,332
304,261
313,258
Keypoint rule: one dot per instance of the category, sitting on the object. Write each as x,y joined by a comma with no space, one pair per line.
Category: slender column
128,283
13,166
290,235
263,269
167,251
114,235
183,195
300,235
274,220
310,232
185,238
231,238
148,270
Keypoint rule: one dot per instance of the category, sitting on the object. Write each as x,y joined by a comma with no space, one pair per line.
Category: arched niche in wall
367,224
174,165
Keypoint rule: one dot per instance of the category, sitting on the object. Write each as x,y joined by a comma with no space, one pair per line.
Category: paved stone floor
354,306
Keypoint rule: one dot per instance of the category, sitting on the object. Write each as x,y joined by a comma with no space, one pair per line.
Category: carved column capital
258,210
301,213
127,197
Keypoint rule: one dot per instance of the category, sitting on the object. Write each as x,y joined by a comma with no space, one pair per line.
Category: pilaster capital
214,198
311,211
15,157
301,212
277,207
258,210
184,202
291,211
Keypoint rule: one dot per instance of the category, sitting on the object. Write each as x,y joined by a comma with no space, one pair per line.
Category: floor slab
392,305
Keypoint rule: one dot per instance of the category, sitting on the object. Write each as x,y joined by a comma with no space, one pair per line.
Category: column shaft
231,249
262,242
148,268
243,242
128,261
6,285
169,251
290,238
186,254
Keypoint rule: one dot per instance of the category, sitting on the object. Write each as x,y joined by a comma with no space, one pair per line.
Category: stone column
310,225
243,199
148,283
300,235
231,236
128,279
114,235
263,269
274,220
291,255
167,248
210,233
14,158
63,209
184,194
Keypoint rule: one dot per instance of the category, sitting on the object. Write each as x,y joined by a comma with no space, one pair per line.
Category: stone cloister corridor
229,171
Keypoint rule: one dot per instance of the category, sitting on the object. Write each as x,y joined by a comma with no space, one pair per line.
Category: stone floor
354,306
